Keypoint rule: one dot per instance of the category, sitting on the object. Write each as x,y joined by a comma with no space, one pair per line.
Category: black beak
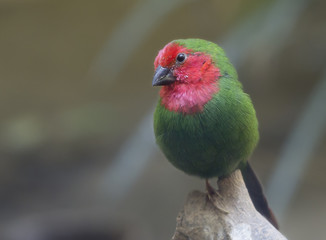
163,76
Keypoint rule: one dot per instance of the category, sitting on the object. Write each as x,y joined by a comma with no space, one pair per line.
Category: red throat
197,80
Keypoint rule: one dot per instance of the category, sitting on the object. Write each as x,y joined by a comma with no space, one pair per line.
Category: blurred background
78,156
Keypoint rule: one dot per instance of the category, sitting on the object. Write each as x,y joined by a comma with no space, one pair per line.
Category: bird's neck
188,98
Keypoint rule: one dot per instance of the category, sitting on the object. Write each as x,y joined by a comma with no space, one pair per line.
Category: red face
186,65
189,78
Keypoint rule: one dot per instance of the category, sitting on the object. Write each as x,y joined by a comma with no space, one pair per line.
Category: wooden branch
229,214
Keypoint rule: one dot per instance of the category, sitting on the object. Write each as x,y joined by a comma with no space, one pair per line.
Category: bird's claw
212,194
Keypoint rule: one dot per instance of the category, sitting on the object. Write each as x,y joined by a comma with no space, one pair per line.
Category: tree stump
228,215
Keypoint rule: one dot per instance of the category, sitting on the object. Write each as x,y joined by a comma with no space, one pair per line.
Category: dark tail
257,195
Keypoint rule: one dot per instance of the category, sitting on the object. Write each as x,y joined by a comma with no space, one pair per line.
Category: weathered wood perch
205,219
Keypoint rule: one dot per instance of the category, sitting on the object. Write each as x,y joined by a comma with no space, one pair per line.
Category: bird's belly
202,153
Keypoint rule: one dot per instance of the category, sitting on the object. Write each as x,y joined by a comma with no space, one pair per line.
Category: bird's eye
181,57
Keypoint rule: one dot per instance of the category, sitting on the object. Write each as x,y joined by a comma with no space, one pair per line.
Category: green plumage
218,140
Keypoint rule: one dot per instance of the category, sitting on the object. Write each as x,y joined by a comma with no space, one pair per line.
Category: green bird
204,123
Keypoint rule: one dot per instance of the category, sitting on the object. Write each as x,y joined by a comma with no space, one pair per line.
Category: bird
204,123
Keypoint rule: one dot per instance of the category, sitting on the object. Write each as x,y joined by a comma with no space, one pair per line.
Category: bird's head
178,64
188,71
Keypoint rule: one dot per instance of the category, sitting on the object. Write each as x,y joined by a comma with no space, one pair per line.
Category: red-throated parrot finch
204,123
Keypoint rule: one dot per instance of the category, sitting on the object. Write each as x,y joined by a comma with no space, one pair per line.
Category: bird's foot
212,195
212,191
